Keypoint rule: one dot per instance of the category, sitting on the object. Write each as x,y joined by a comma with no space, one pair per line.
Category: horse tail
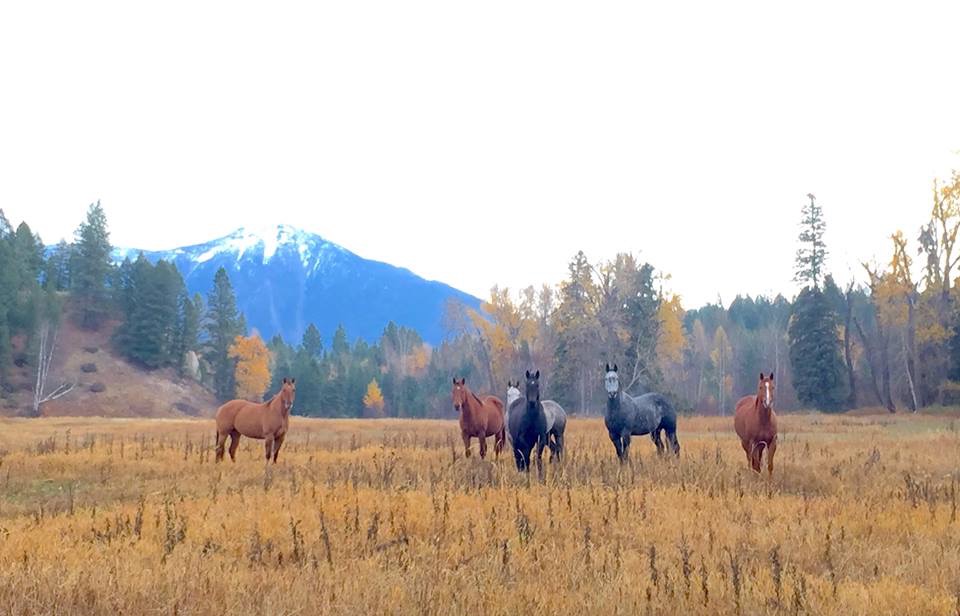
668,422
500,439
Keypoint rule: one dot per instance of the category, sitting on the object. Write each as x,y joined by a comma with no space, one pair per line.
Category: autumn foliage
253,366
373,400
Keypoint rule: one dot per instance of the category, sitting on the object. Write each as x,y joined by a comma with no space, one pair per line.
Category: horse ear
454,380
528,374
614,367
293,381
771,377
537,375
608,367
284,380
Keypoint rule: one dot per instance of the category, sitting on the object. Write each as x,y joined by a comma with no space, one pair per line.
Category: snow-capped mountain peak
264,242
286,278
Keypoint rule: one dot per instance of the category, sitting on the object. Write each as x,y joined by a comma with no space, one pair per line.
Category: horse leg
559,445
498,441
518,458
757,456
466,444
748,449
276,446
626,447
483,446
552,444
221,441
541,443
618,444
655,437
234,443
674,443
268,446
771,449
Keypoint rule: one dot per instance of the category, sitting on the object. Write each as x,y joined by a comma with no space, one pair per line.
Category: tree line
892,342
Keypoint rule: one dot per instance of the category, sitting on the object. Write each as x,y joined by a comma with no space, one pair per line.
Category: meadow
388,517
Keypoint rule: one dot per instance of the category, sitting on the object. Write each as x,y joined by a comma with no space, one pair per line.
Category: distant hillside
286,278
127,391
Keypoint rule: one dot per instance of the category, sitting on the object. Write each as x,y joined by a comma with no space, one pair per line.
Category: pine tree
57,268
816,361
341,346
312,342
150,297
90,267
815,357
812,255
8,287
188,328
223,325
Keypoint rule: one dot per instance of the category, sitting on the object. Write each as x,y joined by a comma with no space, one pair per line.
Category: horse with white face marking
628,416
555,415
756,424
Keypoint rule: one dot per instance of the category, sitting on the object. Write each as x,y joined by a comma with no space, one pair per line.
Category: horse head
611,381
288,393
513,393
459,393
533,386
765,392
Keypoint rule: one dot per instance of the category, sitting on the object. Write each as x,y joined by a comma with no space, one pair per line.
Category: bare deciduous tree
48,346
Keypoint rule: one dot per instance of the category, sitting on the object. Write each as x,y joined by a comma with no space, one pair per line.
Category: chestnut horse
268,421
480,417
756,424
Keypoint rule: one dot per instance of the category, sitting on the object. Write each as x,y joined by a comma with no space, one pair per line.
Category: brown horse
479,417
268,421
756,424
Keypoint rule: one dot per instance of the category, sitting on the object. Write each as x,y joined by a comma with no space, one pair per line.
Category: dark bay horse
756,424
556,420
480,417
627,416
528,425
268,421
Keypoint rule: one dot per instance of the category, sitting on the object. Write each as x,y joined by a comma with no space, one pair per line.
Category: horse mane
477,398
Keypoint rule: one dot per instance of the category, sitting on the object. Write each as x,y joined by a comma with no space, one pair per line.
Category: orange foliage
373,400
253,366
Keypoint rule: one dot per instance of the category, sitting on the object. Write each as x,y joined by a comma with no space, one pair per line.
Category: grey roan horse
627,416
528,425
556,419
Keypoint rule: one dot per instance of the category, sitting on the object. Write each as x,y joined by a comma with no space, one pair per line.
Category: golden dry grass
387,517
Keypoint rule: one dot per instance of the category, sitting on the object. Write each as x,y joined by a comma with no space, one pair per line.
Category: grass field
387,517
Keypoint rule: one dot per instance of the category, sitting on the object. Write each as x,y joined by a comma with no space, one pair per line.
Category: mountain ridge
285,278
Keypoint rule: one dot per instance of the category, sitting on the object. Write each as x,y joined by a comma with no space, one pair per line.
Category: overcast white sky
486,142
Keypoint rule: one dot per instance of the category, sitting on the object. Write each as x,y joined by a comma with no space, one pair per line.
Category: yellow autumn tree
504,328
373,400
253,366
672,340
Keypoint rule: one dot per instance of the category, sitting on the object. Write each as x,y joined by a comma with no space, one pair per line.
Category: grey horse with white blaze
628,416
554,413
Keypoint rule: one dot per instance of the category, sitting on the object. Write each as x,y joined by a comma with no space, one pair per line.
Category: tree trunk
885,371
876,373
910,350
847,346
44,359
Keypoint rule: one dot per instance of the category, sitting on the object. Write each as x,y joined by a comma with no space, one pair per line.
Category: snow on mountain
285,278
